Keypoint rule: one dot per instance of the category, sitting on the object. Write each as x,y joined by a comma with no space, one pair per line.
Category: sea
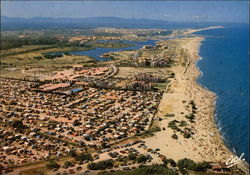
224,67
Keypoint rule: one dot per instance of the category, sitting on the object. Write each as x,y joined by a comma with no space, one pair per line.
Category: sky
197,11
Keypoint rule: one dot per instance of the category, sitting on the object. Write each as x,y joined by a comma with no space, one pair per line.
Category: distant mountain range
15,23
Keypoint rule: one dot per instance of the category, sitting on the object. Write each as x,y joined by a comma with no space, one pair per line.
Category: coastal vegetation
187,164
155,169
181,128
183,166
141,158
150,131
169,115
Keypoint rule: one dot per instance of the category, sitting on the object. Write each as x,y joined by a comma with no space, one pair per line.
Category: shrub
173,125
172,75
38,57
186,135
169,115
183,123
154,129
190,117
52,56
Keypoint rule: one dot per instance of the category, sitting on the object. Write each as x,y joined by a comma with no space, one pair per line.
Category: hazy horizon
179,11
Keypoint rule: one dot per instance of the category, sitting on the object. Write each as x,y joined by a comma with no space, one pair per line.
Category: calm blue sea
225,72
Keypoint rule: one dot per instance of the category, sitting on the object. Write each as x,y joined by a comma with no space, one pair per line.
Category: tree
72,153
102,165
17,124
76,123
131,156
171,162
67,164
174,136
105,145
52,165
83,157
188,164
141,158
201,166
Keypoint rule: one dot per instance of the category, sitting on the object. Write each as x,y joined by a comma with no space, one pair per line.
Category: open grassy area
19,59
42,170
161,86
24,49
28,59
25,55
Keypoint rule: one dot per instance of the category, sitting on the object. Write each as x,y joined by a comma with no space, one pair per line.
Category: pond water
97,52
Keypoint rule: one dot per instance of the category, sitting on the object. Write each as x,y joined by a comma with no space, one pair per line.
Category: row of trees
102,165
52,56
15,42
80,157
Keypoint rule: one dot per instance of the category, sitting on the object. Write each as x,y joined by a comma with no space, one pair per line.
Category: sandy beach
206,143
190,31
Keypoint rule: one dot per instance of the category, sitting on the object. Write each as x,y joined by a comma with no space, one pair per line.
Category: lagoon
97,52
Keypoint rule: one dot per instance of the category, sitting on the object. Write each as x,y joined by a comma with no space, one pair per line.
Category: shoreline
214,99
243,165
186,87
